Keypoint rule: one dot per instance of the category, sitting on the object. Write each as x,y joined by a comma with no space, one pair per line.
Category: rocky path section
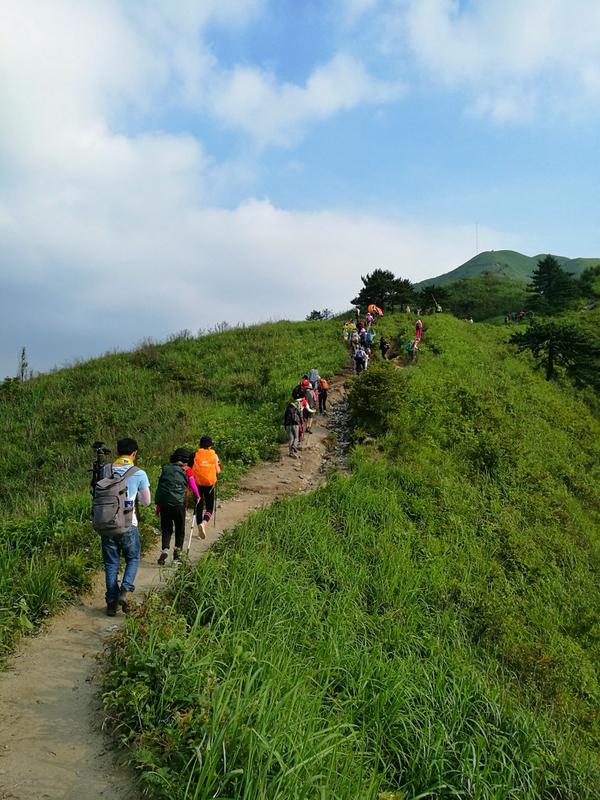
52,746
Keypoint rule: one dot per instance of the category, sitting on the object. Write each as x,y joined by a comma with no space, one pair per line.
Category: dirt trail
51,741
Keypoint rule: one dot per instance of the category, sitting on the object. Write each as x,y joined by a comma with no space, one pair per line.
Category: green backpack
171,487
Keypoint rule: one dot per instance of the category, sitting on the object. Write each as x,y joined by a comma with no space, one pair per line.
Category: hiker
360,358
368,319
206,467
350,330
126,544
175,478
384,346
370,338
291,421
323,389
313,376
418,330
354,340
309,406
301,428
412,348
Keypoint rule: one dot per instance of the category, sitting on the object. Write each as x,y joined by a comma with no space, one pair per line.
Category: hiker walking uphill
291,422
309,405
175,478
323,390
114,517
206,467
360,359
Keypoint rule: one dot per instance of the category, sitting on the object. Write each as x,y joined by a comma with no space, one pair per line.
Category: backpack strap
131,471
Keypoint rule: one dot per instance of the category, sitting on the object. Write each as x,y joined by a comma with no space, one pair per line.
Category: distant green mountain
508,264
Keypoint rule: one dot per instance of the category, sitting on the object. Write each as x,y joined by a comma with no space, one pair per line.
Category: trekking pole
189,544
215,516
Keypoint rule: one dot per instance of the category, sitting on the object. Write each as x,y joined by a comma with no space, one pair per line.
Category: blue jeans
128,545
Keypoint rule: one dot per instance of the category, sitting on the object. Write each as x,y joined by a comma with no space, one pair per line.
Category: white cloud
353,10
278,113
107,237
516,58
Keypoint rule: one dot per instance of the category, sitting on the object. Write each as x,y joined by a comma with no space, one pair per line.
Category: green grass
426,627
232,385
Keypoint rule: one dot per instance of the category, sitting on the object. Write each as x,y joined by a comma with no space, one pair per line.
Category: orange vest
205,467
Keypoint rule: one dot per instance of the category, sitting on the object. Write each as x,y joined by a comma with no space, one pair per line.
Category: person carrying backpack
323,389
175,478
360,359
206,467
291,422
309,406
114,517
313,376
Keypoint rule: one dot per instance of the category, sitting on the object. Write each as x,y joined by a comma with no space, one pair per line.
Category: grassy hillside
232,385
426,627
507,264
484,297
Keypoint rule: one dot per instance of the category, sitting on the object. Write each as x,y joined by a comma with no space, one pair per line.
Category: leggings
172,516
207,498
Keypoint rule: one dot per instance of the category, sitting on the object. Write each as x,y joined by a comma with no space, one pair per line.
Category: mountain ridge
505,263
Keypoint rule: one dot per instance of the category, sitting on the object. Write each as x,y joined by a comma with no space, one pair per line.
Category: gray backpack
110,515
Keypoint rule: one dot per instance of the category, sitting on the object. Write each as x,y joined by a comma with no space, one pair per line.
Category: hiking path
52,743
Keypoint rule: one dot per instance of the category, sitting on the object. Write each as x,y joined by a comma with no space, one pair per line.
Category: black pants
169,516
206,504
322,400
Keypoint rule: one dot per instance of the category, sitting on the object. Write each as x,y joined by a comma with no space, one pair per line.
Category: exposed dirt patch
52,745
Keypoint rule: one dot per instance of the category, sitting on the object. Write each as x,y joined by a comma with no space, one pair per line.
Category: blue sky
175,164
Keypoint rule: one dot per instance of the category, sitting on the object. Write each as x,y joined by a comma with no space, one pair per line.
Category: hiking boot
177,556
162,557
112,608
125,598
202,529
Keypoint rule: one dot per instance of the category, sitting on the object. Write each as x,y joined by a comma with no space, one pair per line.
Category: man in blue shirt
125,544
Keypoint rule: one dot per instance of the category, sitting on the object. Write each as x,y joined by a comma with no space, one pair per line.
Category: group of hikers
116,498
123,487
309,398
514,316
360,337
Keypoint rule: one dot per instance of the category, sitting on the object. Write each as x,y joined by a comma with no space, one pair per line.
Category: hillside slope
427,626
233,385
505,263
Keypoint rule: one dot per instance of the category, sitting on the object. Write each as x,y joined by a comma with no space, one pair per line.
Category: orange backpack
205,467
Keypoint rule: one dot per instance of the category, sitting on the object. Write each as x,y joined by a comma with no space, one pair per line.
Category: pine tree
561,345
551,288
378,288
